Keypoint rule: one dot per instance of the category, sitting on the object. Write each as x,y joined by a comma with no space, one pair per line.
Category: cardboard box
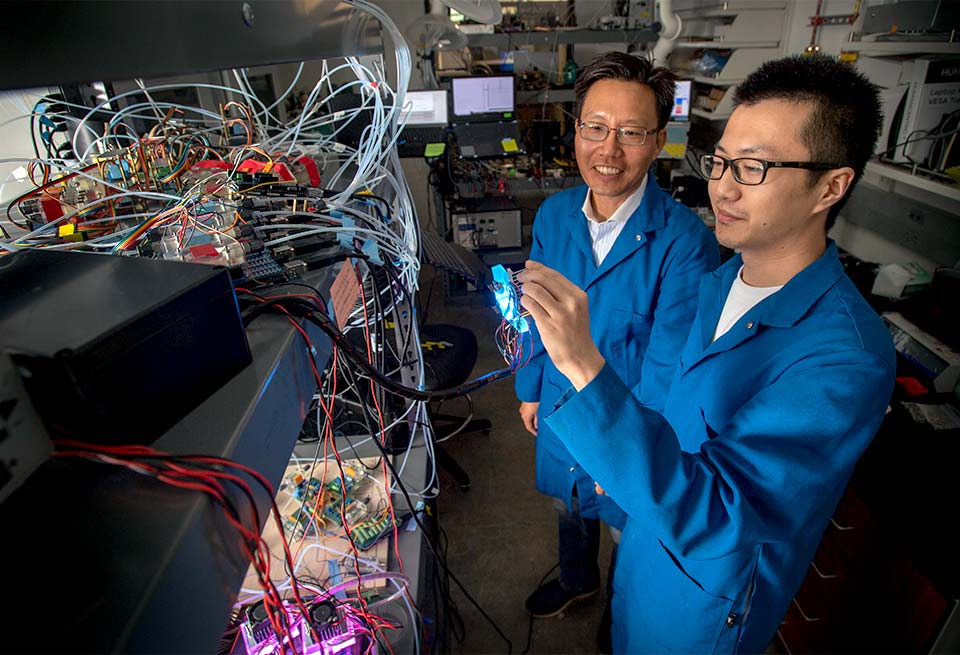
933,92
708,103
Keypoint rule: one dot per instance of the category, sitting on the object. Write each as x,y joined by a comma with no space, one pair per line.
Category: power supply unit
117,349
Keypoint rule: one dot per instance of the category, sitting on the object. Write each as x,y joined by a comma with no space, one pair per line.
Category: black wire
298,307
924,137
433,551
365,411
308,311
426,310
456,626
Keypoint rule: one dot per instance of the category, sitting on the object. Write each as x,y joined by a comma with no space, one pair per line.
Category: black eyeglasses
628,136
750,171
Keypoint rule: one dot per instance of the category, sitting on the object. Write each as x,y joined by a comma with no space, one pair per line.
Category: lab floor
502,532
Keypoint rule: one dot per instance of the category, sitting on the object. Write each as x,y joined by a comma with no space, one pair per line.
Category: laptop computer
426,120
483,116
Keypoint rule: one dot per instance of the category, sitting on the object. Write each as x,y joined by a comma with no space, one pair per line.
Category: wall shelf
553,37
714,81
881,48
725,45
740,63
733,26
900,180
731,8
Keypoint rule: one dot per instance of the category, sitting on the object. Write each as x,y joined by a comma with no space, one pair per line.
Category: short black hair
621,66
845,119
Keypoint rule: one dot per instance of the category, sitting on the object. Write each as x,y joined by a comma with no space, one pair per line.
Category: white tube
670,25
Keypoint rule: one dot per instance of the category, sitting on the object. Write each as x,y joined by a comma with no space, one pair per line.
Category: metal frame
119,562
64,42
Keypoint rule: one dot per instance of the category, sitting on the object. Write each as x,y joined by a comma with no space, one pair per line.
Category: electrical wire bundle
139,174
138,166
216,478
287,608
361,367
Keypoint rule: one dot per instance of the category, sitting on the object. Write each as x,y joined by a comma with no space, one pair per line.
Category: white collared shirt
604,234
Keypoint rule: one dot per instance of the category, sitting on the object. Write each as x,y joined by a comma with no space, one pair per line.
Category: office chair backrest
449,354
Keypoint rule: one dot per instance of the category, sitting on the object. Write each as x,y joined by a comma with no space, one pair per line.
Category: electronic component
507,295
117,349
257,267
487,229
332,630
354,510
366,535
351,478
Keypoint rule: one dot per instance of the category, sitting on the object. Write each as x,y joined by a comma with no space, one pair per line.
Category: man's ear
661,139
833,186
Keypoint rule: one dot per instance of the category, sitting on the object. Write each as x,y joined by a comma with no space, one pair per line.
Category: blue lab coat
642,302
729,491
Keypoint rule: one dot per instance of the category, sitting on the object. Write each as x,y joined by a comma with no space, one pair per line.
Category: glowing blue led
507,300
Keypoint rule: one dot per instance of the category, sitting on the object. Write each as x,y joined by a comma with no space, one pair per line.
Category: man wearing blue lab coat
639,255
783,381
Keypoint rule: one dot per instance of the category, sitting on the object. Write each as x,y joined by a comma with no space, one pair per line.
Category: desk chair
449,355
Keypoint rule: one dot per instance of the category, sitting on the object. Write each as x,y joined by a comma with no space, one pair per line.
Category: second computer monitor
486,98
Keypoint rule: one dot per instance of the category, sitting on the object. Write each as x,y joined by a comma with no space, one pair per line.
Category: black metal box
117,349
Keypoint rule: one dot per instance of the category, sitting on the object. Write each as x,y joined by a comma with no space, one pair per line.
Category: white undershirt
740,300
604,234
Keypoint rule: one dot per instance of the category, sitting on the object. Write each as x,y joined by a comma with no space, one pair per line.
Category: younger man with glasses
638,254
783,381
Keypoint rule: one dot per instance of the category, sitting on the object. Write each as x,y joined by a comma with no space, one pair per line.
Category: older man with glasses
638,255
781,385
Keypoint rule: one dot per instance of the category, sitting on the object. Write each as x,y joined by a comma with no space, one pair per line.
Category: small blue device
508,300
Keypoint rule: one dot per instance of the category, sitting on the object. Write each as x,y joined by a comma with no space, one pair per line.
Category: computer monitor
681,101
426,108
489,98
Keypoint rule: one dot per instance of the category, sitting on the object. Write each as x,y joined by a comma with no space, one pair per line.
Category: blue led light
507,301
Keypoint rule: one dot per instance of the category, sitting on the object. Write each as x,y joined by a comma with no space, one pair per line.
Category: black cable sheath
301,308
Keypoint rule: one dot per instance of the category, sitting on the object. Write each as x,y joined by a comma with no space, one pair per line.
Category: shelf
554,37
736,67
538,96
725,45
715,81
894,175
713,116
880,48
725,9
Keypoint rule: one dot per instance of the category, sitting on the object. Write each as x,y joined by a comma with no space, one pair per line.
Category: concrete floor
502,532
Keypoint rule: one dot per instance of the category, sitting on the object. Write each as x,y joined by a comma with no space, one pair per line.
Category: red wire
260,557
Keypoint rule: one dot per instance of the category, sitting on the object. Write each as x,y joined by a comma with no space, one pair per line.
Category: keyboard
413,140
485,140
